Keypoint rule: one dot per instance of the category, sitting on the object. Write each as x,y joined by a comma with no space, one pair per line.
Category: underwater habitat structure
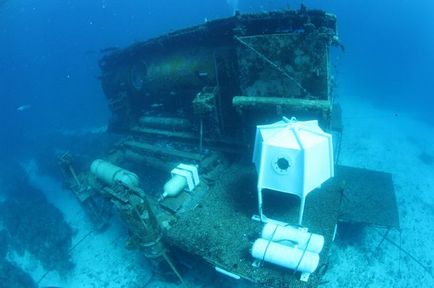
230,136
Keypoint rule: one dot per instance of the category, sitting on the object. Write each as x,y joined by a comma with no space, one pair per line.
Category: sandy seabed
373,138
396,143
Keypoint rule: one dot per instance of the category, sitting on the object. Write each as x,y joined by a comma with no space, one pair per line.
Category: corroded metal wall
276,57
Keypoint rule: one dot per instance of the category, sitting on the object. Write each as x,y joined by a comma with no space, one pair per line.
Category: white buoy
288,235
184,177
174,186
285,256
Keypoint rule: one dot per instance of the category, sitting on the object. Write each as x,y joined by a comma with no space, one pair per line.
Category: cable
280,69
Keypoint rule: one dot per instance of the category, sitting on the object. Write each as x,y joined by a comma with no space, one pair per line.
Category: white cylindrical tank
285,256
288,235
174,186
112,174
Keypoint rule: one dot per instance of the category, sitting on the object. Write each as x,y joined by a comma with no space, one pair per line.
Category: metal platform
221,231
368,198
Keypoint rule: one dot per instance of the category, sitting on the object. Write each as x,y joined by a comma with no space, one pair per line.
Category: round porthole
281,164
138,73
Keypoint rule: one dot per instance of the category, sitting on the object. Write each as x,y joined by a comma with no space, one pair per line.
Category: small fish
23,108
156,105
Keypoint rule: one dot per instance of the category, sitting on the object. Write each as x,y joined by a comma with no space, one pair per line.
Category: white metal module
292,157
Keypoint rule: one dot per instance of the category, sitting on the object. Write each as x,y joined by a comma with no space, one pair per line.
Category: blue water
49,51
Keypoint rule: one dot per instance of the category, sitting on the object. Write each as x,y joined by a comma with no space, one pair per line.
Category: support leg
261,215
301,212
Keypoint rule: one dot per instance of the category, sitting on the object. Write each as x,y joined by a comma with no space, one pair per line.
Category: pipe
111,174
285,256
